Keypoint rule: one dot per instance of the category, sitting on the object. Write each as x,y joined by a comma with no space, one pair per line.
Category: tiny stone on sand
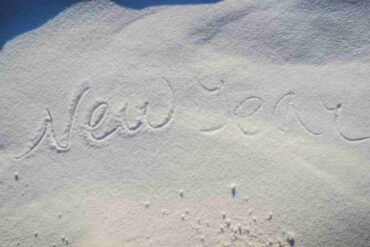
223,215
233,189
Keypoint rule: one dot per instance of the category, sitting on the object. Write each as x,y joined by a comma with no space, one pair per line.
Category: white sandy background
190,101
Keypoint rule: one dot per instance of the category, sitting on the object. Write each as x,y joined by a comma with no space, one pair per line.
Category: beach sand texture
184,123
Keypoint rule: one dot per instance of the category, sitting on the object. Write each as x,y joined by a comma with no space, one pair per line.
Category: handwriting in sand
103,123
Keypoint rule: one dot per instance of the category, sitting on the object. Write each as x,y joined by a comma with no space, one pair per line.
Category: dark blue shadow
19,16
141,4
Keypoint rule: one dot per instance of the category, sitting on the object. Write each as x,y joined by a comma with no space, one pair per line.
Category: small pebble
233,189
182,217
36,234
290,239
164,212
147,204
181,192
16,176
222,228
202,238
240,230
187,211
223,215
228,222
269,216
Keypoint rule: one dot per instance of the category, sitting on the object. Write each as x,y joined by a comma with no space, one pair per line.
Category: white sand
236,123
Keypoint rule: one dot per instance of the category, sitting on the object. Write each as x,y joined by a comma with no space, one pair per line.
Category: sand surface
185,123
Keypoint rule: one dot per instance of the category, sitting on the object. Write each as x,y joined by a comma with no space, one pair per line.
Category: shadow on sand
19,16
